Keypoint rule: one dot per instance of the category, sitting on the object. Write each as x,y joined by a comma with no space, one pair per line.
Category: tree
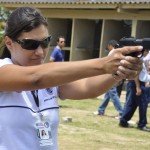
3,17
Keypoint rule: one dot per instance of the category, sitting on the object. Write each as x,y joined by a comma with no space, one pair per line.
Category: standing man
146,61
57,55
112,93
136,97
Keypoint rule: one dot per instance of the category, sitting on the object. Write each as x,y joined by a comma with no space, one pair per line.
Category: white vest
18,114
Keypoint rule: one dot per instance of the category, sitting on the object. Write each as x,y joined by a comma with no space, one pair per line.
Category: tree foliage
3,18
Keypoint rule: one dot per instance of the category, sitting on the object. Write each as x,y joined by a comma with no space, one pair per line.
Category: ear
8,42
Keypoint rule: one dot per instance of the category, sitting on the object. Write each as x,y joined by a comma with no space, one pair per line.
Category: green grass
90,132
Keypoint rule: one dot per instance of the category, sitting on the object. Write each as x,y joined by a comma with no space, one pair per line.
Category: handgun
145,42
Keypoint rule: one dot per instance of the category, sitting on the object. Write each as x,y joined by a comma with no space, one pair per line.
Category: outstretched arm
95,86
17,78
87,88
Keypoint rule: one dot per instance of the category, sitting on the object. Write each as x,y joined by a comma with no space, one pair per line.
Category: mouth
38,60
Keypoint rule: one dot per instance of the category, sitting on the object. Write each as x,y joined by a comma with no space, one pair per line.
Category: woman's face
25,57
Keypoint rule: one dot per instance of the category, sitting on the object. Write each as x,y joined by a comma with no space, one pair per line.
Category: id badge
43,128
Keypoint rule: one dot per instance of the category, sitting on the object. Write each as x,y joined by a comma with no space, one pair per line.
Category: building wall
90,30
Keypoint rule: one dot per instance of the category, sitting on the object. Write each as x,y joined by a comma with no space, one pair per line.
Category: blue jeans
113,95
132,102
147,92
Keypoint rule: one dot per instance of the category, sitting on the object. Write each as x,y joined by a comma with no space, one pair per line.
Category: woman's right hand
121,64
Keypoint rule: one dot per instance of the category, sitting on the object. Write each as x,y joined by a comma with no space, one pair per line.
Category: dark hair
113,43
23,19
60,37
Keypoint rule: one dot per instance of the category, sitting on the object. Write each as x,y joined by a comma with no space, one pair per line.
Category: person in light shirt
136,97
111,94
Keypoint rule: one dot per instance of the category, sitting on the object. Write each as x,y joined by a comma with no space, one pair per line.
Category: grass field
90,132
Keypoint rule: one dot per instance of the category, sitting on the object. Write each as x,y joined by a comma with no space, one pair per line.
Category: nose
39,51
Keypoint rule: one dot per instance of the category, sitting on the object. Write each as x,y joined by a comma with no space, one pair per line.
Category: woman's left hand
130,67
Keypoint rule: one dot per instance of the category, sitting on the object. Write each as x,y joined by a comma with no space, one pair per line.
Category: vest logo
46,124
49,91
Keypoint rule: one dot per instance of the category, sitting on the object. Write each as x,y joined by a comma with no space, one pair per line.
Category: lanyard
35,96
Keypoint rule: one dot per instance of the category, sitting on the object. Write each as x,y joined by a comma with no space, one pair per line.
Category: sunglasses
30,44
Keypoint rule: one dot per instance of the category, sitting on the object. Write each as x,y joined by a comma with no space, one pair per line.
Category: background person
136,97
29,88
57,54
111,93
146,61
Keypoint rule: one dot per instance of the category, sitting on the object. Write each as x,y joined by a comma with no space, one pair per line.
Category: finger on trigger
130,49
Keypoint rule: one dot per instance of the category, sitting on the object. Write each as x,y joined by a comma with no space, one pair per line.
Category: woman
29,88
